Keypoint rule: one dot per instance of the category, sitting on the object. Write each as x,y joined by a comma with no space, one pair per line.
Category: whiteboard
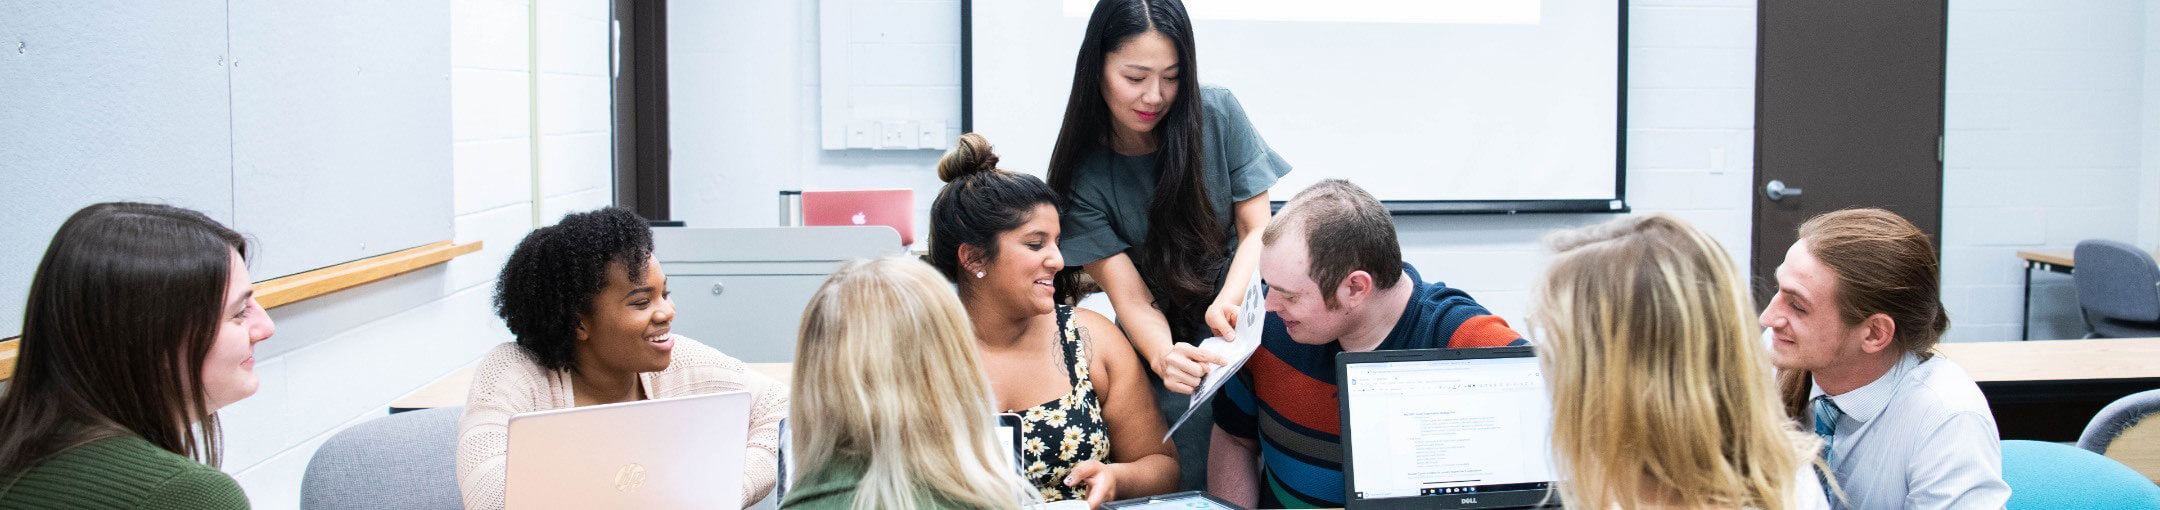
328,142
1434,106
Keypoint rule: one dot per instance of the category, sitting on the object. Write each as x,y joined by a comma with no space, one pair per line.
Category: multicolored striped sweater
1285,395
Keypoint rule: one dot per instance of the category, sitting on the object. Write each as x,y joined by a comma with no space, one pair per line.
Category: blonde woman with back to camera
891,409
1661,392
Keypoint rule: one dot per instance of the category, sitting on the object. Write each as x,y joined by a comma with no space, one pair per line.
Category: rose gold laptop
889,207
683,452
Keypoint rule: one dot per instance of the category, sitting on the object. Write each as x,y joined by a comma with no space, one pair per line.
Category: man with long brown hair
1854,326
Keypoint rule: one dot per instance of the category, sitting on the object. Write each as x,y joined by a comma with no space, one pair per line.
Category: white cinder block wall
743,89
2149,207
2071,85
367,346
2045,114
2050,89
576,104
1690,142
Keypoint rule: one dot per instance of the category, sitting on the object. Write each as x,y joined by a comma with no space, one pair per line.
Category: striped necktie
1826,416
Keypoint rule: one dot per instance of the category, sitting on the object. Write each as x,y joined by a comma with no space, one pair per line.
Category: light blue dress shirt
1919,437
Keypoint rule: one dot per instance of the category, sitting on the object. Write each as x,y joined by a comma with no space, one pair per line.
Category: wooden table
2055,361
2049,389
451,389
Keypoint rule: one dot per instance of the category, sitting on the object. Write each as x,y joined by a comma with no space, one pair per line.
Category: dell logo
1469,501
630,477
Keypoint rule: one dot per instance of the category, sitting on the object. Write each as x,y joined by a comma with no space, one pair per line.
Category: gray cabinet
742,290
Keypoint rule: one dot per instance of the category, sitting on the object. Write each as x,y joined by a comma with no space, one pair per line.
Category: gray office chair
404,460
2128,430
2118,285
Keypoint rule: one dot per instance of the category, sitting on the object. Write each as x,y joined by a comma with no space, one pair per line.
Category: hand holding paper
1250,320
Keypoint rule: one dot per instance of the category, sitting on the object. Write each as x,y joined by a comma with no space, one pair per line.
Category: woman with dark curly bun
1088,421
589,306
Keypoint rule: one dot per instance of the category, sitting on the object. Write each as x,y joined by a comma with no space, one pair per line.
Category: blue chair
2053,475
2118,288
404,460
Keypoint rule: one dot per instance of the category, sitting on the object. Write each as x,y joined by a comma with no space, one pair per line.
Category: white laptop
1445,428
684,452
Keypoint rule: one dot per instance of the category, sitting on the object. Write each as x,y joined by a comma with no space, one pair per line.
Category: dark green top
833,488
1111,192
121,472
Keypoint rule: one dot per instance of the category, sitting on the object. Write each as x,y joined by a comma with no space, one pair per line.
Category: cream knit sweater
509,381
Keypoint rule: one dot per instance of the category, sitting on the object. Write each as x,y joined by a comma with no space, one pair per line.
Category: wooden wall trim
285,290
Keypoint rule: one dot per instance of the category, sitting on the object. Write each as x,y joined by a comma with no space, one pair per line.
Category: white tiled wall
2046,111
385,339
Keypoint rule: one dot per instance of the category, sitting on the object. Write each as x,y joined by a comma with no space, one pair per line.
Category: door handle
1776,190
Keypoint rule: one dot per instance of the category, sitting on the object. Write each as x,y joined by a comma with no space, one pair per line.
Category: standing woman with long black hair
1164,183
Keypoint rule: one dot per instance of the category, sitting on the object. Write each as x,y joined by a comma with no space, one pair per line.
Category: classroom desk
2050,261
2049,389
446,391
451,389
2043,389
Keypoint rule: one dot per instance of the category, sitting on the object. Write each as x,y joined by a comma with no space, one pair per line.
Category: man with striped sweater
1336,282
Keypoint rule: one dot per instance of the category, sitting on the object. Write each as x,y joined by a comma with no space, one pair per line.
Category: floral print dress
1060,434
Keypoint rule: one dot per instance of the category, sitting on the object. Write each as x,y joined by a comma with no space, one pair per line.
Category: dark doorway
641,106
1849,112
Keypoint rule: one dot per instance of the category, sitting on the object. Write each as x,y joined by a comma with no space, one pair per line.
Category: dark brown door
1849,108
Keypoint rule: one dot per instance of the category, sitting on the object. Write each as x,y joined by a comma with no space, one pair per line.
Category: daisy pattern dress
1062,433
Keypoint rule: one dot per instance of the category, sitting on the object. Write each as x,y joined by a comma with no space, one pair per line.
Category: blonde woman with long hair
1661,392
891,408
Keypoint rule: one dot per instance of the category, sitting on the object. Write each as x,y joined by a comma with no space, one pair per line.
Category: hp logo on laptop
630,477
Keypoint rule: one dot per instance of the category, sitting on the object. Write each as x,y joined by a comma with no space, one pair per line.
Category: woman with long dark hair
1155,171
140,325
1164,185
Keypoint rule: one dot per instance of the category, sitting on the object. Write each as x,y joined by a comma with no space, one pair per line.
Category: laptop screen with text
1447,427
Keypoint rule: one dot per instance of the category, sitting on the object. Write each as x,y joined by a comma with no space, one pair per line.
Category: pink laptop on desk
889,207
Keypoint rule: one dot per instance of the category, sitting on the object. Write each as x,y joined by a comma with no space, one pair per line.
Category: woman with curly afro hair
589,306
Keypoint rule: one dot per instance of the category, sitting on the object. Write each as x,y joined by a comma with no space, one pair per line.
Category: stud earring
978,274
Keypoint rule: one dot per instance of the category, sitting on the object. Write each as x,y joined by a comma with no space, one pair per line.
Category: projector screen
1432,105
